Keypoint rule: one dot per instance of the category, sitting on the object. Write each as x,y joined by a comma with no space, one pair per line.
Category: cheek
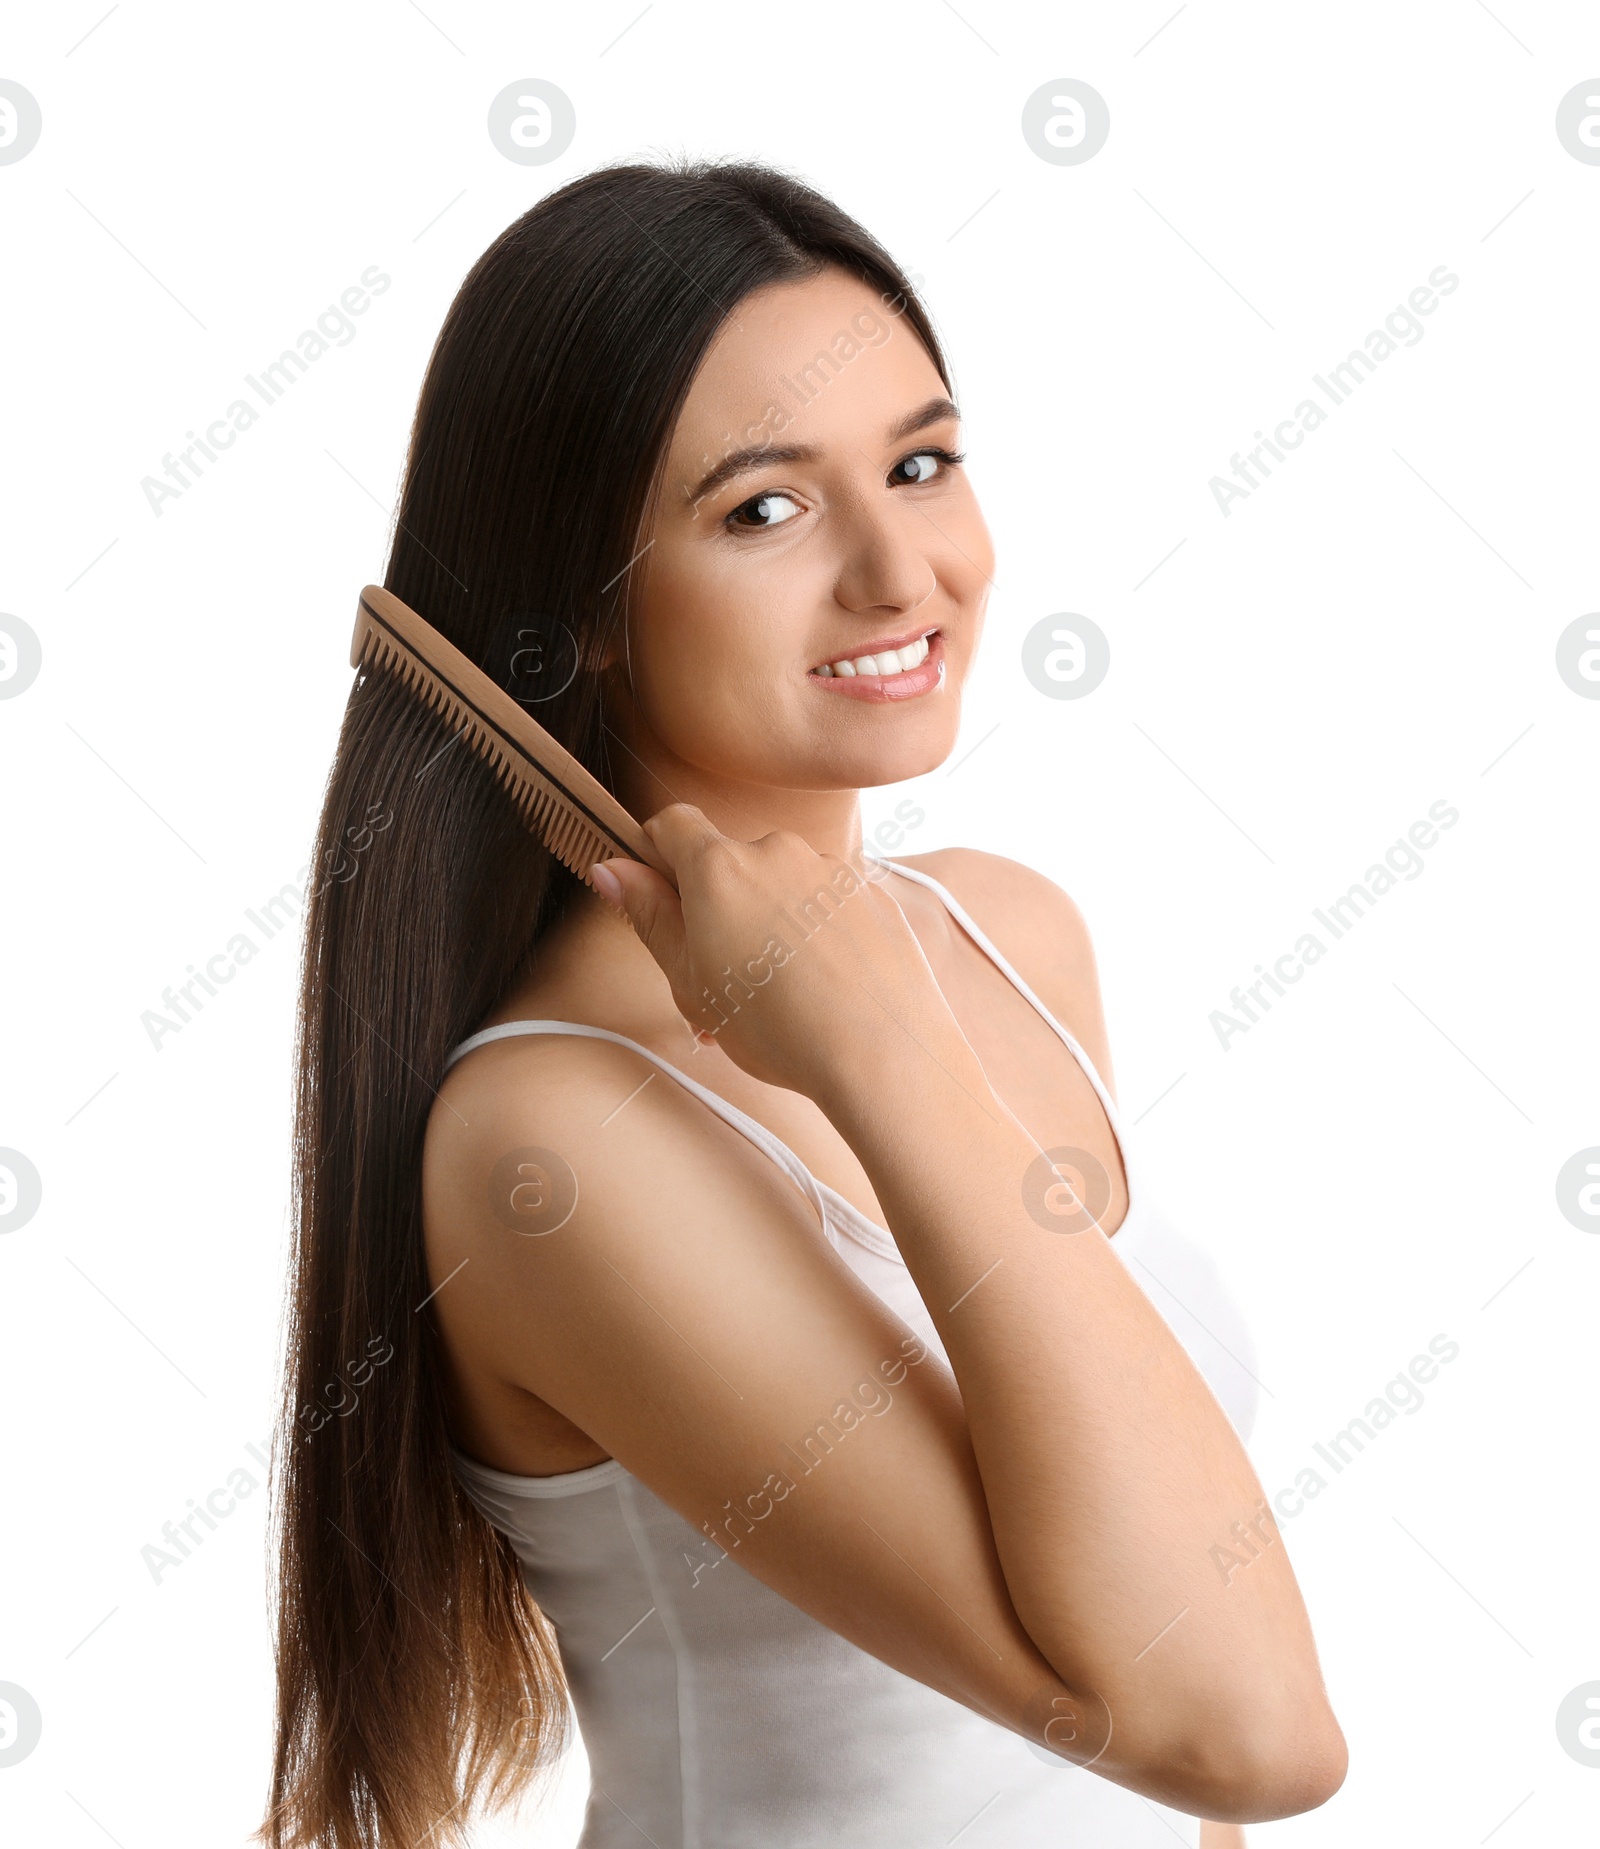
976,556
714,640
737,611
966,568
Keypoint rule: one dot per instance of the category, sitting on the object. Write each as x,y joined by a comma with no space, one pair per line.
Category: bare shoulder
580,1101
542,1066
513,1094
1040,931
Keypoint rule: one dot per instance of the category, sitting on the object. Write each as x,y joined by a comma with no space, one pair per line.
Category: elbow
1261,1780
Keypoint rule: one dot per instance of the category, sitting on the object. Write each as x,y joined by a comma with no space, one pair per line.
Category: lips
885,645
885,689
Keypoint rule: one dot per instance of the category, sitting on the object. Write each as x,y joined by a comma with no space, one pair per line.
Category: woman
723,1303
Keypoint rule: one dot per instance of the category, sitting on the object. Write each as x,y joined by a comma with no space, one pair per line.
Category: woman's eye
923,463
766,510
763,506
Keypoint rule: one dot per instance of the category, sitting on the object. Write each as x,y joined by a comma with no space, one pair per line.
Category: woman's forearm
1109,1467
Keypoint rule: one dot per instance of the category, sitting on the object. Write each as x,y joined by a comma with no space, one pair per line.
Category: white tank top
715,1714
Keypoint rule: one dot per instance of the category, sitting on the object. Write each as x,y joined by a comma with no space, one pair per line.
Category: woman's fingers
772,947
651,906
682,834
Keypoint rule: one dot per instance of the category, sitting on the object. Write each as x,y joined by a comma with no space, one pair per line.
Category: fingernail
606,882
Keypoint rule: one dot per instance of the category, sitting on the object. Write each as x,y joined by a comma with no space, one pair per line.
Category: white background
1371,631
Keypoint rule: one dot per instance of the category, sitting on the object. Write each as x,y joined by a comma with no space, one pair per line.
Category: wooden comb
577,818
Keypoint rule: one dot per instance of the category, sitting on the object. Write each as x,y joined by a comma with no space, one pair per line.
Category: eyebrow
762,455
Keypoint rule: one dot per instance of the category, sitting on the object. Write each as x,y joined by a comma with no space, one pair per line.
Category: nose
884,563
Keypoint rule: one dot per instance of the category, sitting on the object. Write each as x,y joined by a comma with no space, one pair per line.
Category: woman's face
850,533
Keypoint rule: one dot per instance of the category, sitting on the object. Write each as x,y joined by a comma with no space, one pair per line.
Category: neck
646,776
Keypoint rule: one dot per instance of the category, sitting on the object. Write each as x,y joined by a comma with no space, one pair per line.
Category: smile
887,673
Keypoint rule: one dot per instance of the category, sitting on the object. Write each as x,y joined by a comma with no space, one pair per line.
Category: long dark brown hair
416,1676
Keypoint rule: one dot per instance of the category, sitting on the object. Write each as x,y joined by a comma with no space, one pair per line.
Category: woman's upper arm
689,1315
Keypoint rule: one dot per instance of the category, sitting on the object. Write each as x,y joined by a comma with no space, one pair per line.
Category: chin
870,765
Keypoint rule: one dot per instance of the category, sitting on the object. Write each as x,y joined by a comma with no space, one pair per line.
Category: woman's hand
784,957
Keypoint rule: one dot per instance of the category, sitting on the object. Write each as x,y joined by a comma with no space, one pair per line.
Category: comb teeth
544,810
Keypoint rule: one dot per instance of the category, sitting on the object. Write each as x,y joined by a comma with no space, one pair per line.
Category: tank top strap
759,1134
973,930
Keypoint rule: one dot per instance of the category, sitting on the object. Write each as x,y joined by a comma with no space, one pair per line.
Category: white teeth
892,661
